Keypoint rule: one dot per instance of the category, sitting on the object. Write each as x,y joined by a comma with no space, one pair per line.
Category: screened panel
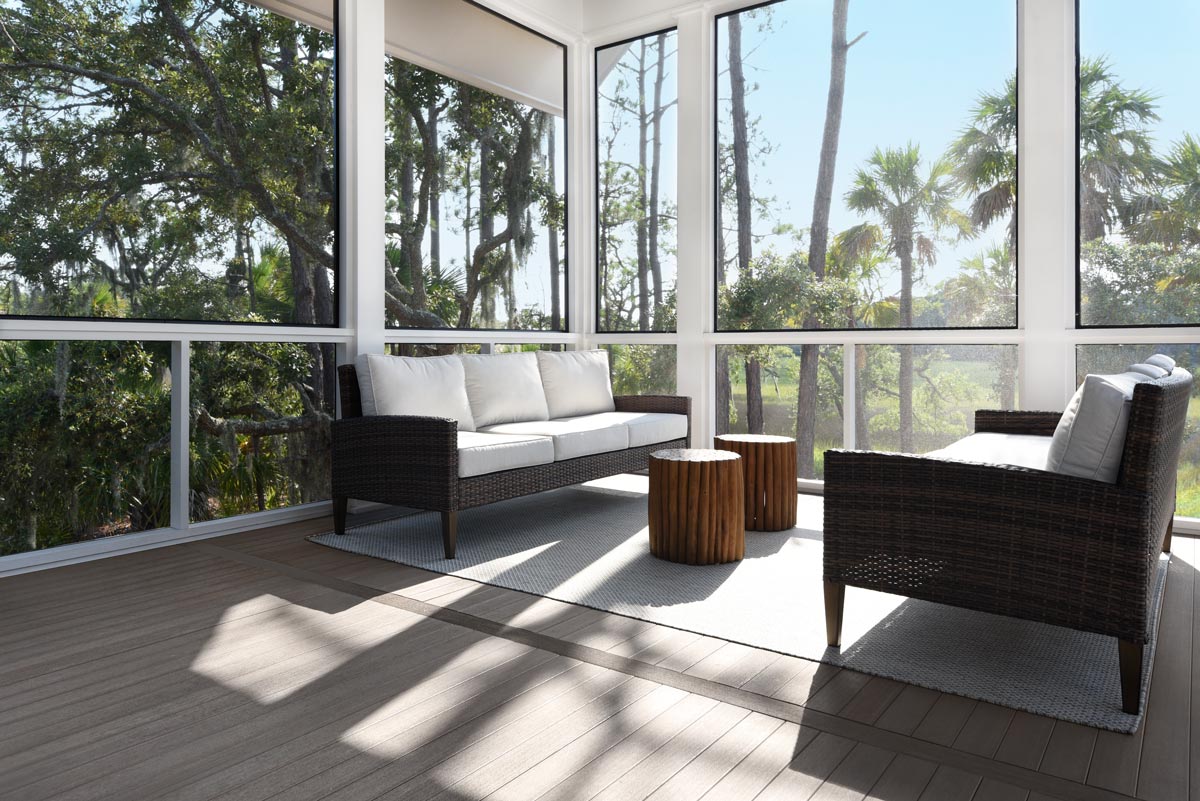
166,161
476,207
918,398
636,134
642,369
85,433
760,390
260,426
870,187
1139,164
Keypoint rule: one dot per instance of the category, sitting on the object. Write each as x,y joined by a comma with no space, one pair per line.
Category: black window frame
716,166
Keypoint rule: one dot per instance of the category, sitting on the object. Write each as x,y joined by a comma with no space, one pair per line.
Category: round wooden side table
696,512
769,469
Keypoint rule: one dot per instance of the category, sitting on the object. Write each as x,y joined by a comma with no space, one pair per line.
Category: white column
580,300
361,173
695,371
1046,200
181,422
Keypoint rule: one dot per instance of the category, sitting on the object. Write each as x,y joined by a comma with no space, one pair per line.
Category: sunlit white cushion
647,428
504,388
576,382
1090,438
480,453
429,386
990,447
573,437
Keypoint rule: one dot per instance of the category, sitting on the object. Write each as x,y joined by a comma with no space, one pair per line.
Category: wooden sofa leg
1170,531
339,515
449,532
835,602
1130,655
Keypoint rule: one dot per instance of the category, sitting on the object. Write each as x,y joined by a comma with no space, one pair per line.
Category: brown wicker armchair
1012,541
413,461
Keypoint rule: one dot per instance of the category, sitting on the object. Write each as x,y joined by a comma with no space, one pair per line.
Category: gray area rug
588,545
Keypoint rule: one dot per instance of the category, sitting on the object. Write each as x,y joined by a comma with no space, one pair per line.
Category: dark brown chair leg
1167,538
449,532
1131,676
339,514
835,602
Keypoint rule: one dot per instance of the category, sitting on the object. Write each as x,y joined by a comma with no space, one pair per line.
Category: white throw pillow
576,382
1163,361
1090,438
1149,370
430,386
505,388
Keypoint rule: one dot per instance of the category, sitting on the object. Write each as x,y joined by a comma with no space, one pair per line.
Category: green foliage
57,396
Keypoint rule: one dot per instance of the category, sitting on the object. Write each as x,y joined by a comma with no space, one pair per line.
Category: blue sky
1151,46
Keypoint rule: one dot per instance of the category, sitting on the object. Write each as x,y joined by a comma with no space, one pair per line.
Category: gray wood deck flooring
261,666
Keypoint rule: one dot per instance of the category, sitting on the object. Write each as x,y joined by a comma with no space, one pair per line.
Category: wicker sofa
1014,540
414,460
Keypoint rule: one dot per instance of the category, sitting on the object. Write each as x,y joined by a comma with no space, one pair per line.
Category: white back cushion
505,388
1149,370
1163,361
1090,438
430,386
576,382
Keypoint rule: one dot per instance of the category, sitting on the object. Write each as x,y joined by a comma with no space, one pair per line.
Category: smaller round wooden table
769,466
696,506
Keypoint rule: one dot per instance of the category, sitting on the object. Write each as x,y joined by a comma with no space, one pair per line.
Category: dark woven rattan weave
1009,540
413,461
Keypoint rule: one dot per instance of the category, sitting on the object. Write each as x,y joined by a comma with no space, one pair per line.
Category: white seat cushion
480,453
576,382
647,428
1022,450
504,388
1090,438
575,436
431,386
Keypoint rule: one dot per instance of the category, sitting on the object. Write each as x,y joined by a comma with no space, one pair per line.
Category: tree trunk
555,267
806,411
806,394
741,183
435,191
487,299
741,148
723,390
643,256
905,251
655,169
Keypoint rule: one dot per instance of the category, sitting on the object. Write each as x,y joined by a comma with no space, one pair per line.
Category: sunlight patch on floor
291,646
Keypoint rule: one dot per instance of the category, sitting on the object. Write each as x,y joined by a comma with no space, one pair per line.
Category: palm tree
985,158
913,212
983,294
1169,213
1116,160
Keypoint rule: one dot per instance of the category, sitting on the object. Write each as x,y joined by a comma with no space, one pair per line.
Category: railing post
181,434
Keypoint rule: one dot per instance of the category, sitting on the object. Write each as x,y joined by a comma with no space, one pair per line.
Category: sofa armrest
1016,422
396,459
1009,540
